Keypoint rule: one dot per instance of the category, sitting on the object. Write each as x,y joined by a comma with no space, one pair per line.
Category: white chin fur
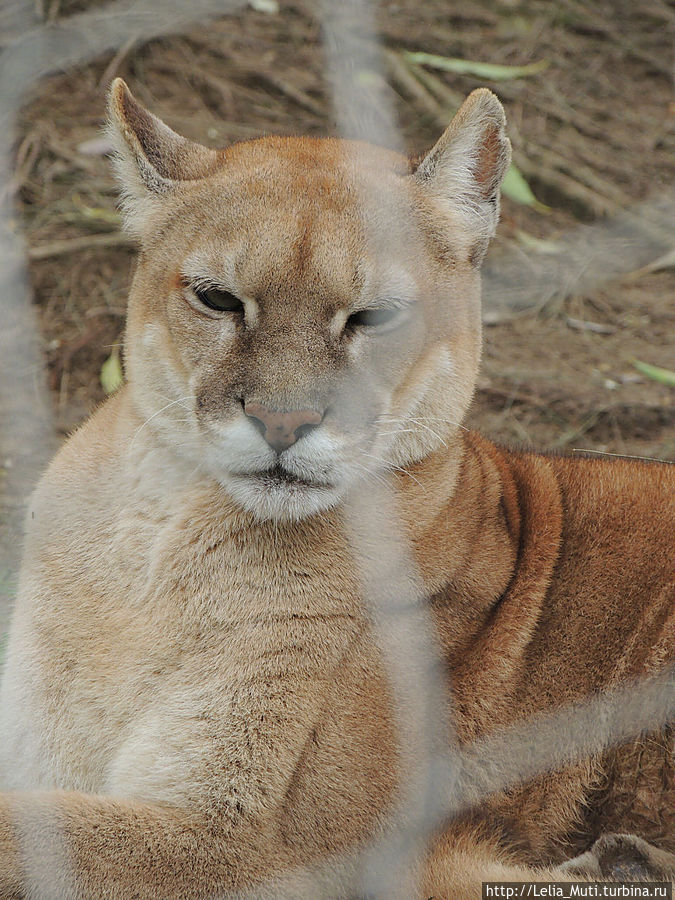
280,502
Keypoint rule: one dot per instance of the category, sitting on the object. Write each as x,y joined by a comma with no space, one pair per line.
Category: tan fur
194,702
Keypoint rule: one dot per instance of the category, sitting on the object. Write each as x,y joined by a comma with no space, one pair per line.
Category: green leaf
96,214
271,7
489,71
656,373
111,372
516,188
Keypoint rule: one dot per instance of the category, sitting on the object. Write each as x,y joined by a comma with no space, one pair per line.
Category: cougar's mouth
278,493
279,476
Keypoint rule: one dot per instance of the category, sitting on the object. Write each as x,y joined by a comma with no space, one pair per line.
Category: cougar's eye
218,299
371,318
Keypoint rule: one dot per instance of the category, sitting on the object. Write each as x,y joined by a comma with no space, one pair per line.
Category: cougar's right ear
150,159
466,166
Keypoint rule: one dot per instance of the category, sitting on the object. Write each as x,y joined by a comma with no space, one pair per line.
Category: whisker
426,427
180,400
390,465
438,419
411,418
623,455
396,431
420,420
373,473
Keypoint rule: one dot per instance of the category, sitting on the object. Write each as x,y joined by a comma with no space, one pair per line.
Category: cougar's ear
150,159
467,165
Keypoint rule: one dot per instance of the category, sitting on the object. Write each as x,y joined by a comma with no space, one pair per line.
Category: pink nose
281,429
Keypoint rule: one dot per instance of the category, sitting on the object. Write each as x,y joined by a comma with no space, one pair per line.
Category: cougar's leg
624,857
458,866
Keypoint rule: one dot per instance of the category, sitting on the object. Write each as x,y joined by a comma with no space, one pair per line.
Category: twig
403,77
62,362
608,28
294,93
112,69
95,311
583,325
545,172
548,100
582,173
75,245
449,99
511,394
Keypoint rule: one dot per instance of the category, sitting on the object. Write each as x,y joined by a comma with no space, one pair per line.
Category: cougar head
305,312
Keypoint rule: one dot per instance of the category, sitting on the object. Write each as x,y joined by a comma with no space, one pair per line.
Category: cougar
196,700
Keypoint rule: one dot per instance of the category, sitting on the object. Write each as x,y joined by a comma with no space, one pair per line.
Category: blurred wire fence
445,778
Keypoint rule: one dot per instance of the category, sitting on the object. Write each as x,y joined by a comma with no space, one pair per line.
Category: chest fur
162,656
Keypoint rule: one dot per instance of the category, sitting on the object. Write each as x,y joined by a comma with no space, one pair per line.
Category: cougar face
305,312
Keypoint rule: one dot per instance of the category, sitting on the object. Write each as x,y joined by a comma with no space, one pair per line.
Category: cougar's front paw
623,857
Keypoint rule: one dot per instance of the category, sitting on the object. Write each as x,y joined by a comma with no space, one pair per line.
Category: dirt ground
593,133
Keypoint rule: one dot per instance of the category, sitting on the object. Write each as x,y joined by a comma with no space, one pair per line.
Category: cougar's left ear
467,165
150,159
